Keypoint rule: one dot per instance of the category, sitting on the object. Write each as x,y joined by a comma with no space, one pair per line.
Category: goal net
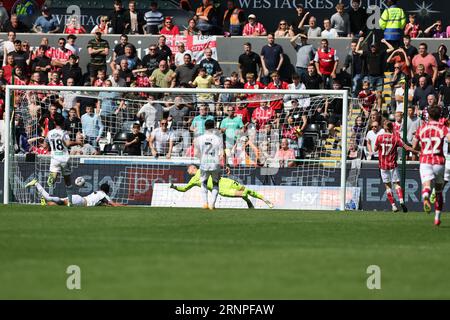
288,146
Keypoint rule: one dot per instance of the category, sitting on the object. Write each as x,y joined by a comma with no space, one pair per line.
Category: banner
283,197
195,44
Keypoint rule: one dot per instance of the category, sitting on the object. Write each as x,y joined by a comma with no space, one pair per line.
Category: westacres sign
138,184
426,11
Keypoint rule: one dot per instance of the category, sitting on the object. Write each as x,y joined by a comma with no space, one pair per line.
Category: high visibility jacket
234,18
393,21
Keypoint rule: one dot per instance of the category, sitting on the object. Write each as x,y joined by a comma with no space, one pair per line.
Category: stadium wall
373,195
228,49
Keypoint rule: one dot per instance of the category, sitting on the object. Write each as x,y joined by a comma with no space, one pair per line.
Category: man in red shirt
431,136
241,111
277,83
387,144
327,62
59,55
252,83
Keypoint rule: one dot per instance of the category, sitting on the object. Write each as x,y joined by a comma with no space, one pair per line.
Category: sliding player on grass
227,187
431,137
387,144
59,142
96,198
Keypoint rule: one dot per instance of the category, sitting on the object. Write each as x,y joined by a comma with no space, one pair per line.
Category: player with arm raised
96,198
227,187
386,145
59,141
430,136
209,149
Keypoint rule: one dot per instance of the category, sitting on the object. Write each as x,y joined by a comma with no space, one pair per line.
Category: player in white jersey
96,198
58,141
209,148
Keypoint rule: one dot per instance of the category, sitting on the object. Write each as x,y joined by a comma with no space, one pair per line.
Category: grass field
156,253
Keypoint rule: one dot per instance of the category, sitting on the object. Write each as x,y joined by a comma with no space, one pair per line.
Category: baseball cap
168,19
252,16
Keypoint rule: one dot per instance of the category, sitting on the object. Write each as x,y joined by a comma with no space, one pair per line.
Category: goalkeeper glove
172,186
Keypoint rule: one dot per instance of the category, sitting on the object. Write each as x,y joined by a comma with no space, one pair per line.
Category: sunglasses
282,24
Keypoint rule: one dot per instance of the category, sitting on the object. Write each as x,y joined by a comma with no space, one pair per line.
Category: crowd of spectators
254,128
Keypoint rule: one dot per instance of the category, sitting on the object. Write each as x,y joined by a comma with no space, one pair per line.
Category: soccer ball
79,182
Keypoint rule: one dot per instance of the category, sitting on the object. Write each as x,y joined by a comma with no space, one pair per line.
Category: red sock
390,197
439,204
426,193
399,194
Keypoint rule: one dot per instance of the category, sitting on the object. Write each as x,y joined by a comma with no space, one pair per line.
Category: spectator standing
358,19
233,19
399,58
119,49
253,99
340,21
169,29
328,32
285,155
130,56
289,98
98,50
161,141
185,73
206,18
231,127
314,31
179,56
263,115
72,124
92,126
305,53
15,25
153,18
164,51
70,44
8,67
70,100
46,23
312,80
421,93
20,56
242,111
151,60
134,141
276,84
326,61
203,81
8,45
249,62
400,95
354,61
436,30
74,26
412,28
125,72
393,21
442,64
198,123
413,124
134,20
41,64
428,61
253,28
210,64
117,18
59,55
371,138
164,76
108,106
444,94
410,50
271,58
150,114
283,30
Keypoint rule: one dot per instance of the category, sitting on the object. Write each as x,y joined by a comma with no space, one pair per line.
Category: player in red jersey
431,137
386,145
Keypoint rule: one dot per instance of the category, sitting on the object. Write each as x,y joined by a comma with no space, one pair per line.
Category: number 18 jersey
55,139
431,136
387,144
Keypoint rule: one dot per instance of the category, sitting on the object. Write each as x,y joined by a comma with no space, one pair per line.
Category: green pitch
157,253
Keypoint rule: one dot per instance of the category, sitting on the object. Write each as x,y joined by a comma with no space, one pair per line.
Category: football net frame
12,98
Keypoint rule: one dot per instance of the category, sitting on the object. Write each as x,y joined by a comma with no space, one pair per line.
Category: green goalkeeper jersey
225,184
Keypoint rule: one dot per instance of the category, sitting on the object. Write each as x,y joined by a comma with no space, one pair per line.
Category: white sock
45,194
437,216
204,192
215,192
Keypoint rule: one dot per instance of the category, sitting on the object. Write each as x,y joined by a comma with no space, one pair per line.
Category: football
79,182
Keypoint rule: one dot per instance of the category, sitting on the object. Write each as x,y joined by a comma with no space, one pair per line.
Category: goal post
308,170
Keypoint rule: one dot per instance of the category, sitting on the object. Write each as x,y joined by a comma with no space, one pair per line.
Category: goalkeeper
227,187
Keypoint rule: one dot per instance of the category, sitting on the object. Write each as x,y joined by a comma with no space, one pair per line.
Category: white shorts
215,175
60,166
429,172
447,171
78,201
389,176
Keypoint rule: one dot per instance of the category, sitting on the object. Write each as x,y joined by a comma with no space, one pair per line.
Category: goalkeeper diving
227,187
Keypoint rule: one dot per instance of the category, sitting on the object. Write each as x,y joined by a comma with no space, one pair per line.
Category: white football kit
96,198
210,149
59,162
